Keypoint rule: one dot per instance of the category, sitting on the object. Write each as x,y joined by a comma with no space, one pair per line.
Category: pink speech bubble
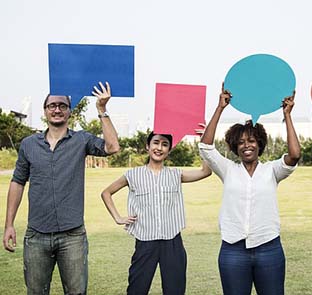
178,109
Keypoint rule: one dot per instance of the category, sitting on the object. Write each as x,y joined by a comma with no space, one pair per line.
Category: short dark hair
46,100
235,132
168,136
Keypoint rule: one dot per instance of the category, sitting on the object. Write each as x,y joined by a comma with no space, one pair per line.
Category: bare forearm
109,133
107,199
194,175
110,136
209,134
294,152
13,201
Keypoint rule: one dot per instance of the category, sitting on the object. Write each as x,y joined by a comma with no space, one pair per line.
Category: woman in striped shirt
155,218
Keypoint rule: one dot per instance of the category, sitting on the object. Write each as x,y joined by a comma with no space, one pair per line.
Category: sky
184,42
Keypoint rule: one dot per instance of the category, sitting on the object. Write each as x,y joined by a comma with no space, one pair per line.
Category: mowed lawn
110,247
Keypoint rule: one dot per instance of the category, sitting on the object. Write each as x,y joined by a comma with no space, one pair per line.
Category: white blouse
249,204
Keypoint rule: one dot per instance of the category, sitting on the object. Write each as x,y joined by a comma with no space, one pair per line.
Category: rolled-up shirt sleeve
95,145
281,169
216,161
21,172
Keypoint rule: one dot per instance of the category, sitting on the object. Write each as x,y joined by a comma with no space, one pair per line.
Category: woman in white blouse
251,251
155,218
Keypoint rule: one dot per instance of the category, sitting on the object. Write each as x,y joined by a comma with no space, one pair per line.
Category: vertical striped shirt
157,201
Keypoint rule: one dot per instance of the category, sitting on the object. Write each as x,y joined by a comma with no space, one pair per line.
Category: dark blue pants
263,265
171,256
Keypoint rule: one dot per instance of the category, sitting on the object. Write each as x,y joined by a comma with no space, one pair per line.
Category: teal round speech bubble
258,84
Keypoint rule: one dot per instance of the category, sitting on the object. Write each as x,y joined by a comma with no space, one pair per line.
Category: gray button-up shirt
56,178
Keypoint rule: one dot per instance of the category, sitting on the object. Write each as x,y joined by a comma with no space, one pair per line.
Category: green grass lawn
110,247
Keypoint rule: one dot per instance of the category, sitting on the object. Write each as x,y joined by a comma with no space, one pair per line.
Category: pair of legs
171,256
263,265
68,249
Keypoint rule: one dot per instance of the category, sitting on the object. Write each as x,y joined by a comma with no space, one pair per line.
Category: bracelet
103,115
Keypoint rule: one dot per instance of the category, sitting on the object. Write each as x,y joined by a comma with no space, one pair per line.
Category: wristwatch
103,115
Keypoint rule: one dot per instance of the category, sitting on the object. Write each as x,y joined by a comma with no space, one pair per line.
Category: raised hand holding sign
74,69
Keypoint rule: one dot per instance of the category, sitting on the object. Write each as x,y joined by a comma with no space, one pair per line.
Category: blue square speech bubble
75,68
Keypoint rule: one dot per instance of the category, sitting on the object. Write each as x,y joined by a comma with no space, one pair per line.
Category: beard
57,124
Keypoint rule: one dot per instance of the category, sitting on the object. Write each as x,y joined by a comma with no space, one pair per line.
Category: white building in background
26,108
24,113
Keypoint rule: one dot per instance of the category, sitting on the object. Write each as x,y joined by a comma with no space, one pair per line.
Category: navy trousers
171,256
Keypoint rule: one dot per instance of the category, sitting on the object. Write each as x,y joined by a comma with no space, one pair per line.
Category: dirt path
6,172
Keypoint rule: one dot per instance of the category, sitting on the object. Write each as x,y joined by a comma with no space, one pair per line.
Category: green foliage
11,131
183,154
224,150
275,148
137,143
77,114
121,159
94,127
307,151
132,151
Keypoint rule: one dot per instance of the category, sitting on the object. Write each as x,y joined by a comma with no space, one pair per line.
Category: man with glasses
54,164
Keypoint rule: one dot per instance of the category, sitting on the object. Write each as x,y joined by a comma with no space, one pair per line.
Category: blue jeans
68,249
263,265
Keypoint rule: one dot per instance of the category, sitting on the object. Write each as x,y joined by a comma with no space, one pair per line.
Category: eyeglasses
62,106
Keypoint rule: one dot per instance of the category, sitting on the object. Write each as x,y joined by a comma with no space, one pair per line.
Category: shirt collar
42,135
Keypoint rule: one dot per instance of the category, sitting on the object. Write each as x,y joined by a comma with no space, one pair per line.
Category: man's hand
103,97
9,235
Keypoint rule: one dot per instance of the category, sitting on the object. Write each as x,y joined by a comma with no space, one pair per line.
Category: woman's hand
288,103
224,98
126,220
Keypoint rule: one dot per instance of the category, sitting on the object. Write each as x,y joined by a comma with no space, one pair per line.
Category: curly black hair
235,132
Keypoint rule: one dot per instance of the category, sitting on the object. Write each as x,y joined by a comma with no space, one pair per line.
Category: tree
94,127
11,131
77,114
183,154
306,151
132,151
138,142
224,150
